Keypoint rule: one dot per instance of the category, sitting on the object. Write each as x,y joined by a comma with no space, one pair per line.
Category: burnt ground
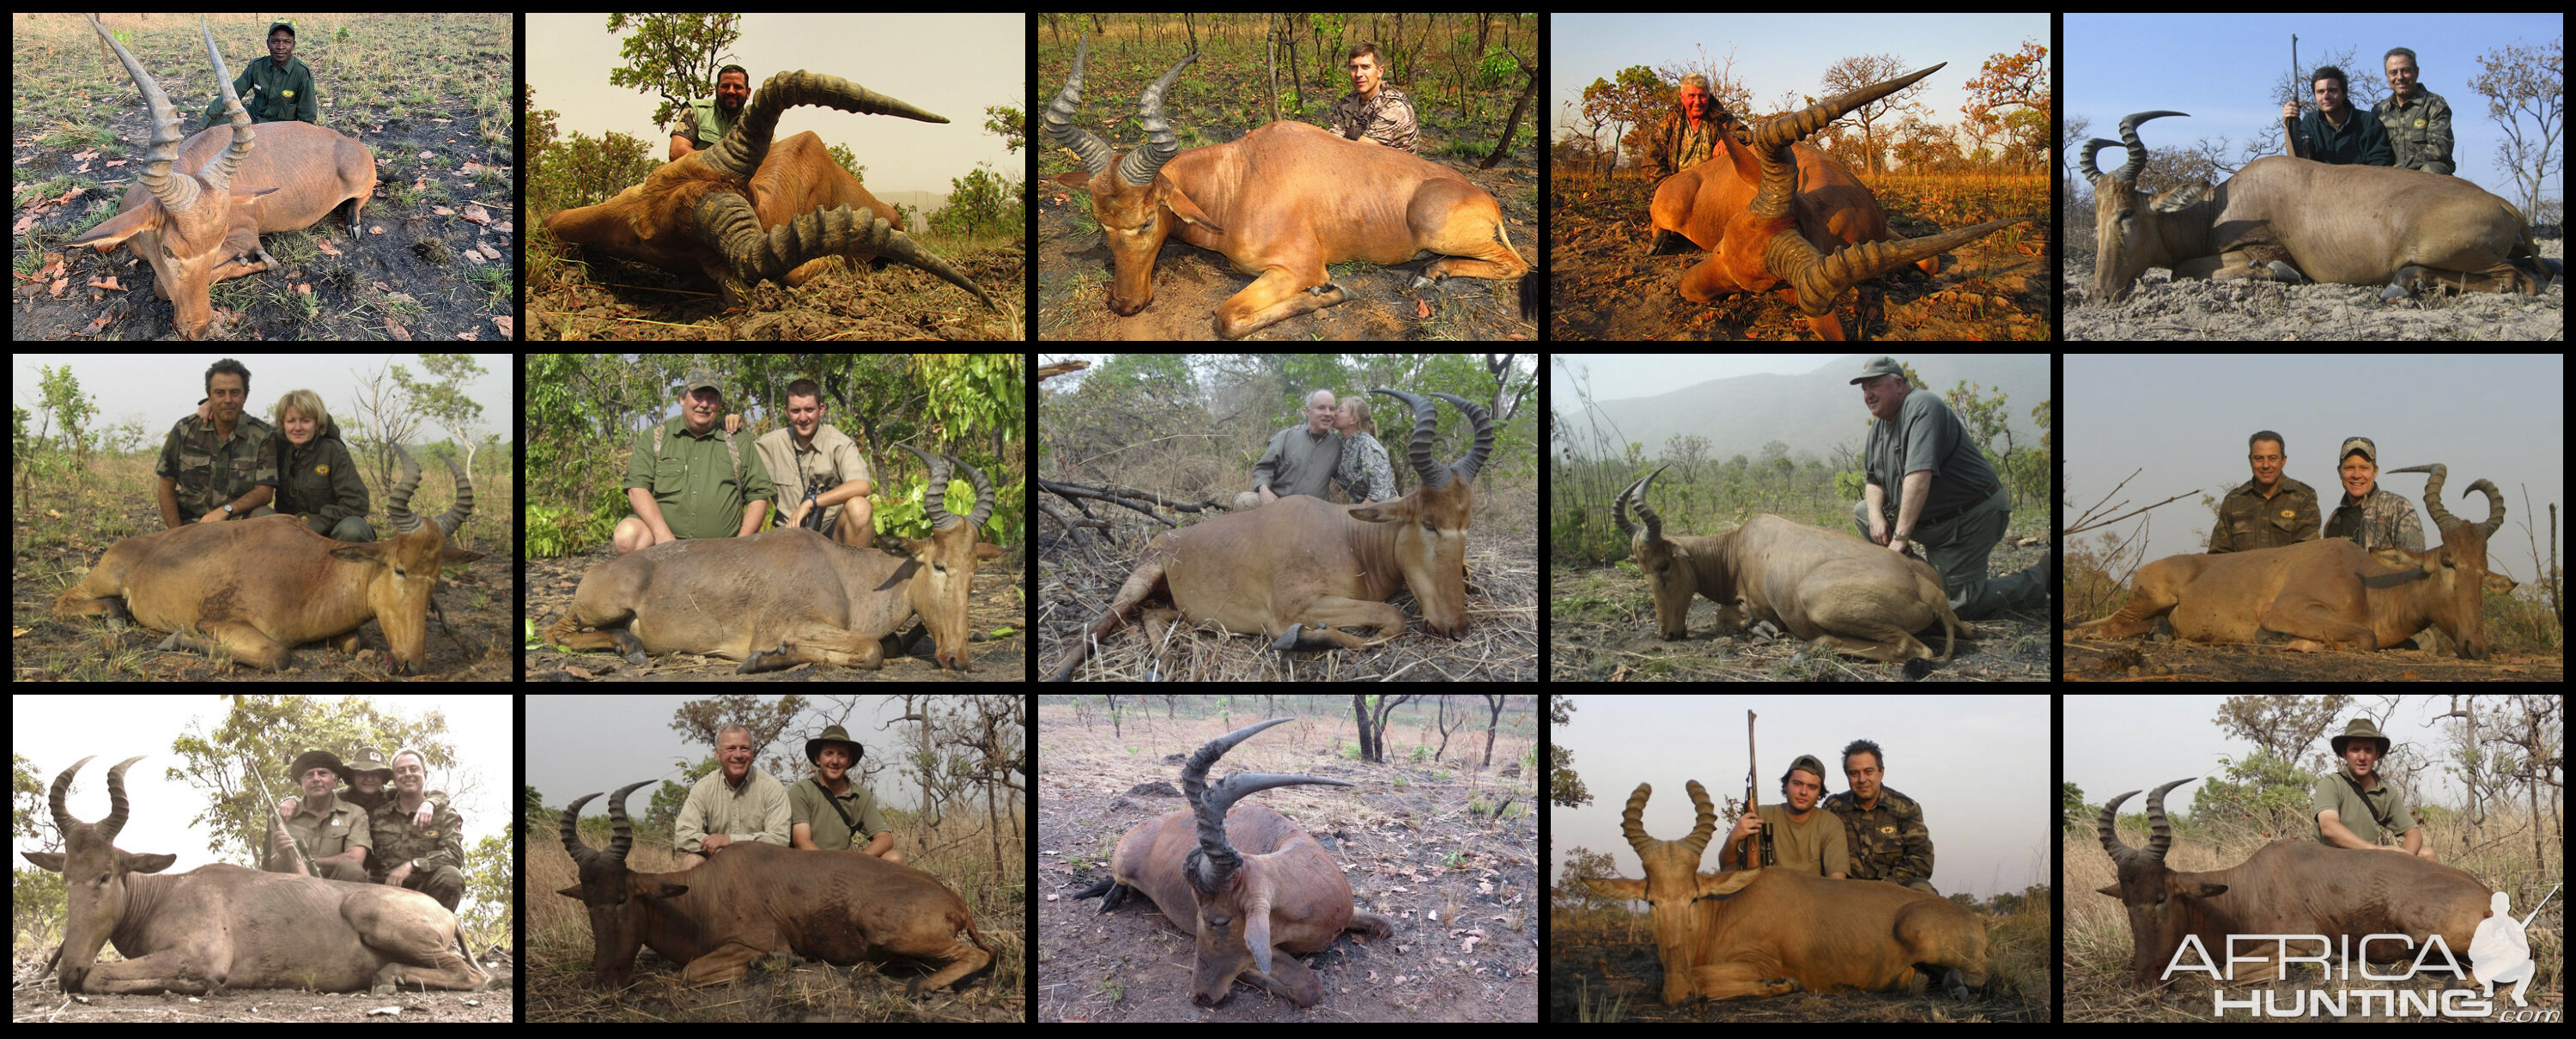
2156,661
1404,836
996,626
1603,629
1606,287
1209,105
426,93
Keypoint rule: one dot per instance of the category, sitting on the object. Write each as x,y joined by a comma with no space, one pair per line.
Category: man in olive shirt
2356,808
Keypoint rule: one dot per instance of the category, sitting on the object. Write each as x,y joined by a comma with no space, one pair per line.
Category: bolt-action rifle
1753,800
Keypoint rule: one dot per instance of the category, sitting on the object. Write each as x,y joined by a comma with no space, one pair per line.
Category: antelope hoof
630,647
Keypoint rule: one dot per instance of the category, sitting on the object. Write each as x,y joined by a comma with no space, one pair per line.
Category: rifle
2290,124
269,810
1753,797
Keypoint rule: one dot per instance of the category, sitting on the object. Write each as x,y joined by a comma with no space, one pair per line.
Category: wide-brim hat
835,734
313,759
2360,729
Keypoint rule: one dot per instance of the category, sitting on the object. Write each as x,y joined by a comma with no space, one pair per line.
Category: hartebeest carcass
1280,202
1823,586
1772,211
2330,593
789,596
744,211
259,587
224,926
1773,931
2349,225
201,229
1305,570
1246,881
752,899
2290,887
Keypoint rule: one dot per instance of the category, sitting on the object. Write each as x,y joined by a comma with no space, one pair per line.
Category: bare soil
2159,307
2155,660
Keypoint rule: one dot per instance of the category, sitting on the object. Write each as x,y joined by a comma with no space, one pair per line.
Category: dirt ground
1403,834
44,1002
2133,660
2235,311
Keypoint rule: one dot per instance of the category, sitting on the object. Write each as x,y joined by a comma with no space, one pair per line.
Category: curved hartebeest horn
2441,516
1216,860
2137,163
105,828
179,194
621,832
933,497
1632,823
726,220
1636,495
399,503
2157,844
739,154
1141,164
1819,278
1418,450
1058,121
1161,143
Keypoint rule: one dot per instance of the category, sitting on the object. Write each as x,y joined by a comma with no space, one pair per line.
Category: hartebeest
1775,930
1246,881
789,596
224,926
2289,219
260,587
1824,586
751,899
1774,212
744,211
1281,202
2291,887
2330,593
1305,570
201,229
